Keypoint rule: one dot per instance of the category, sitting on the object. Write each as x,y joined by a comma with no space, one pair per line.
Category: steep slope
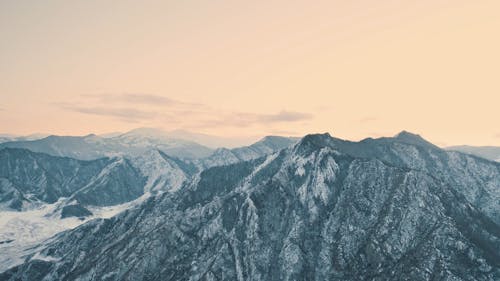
30,178
309,212
119,182
265,146
488,152
145,138
92,147
477,179
85,147
35,177
163,172
140,141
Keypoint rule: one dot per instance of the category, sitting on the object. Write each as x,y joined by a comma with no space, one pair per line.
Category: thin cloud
285,116
138,98
129,114
133,107
497,136
240,119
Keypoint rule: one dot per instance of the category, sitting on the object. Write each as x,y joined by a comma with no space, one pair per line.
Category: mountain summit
410,138
322,209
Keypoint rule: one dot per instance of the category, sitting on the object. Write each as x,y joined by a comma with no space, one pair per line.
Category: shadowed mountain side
386,209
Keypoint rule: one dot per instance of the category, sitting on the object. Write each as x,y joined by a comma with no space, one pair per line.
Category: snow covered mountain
28,179
178,144
9,138
79,147
488,152
92,147
265,146
139,139
324,209
41,195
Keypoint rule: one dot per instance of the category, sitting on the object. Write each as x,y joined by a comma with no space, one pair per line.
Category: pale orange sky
240,68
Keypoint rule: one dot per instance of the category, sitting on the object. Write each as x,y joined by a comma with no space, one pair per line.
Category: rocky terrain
41,195
324,209
29,178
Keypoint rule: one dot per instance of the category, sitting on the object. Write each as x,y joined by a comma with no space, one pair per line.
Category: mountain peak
314,141
318,136
404,134
91,136
411,138
275,141
145,131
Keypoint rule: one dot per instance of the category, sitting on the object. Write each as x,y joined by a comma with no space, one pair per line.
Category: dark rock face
118,183
75,211
325,209
29,177
265,146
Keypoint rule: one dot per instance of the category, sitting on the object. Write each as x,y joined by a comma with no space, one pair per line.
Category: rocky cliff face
325,209
224,156
475,178
28,178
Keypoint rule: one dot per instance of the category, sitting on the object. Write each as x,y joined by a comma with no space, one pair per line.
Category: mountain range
42,194
318,208
488,152
178,143
92,146
28,177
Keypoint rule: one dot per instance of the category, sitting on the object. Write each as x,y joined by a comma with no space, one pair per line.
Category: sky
353,68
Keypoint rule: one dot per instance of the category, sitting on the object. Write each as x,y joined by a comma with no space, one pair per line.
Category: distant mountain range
180,144
318,208
29,178
92,146
7,138
53,193
488,152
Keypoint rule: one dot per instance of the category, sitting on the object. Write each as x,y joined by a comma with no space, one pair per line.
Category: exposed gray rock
28,178
76,210
265,146
325,209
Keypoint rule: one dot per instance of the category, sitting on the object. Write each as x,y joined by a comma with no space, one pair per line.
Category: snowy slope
325,209
20,232
263,147
93,147
59,193
28,179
